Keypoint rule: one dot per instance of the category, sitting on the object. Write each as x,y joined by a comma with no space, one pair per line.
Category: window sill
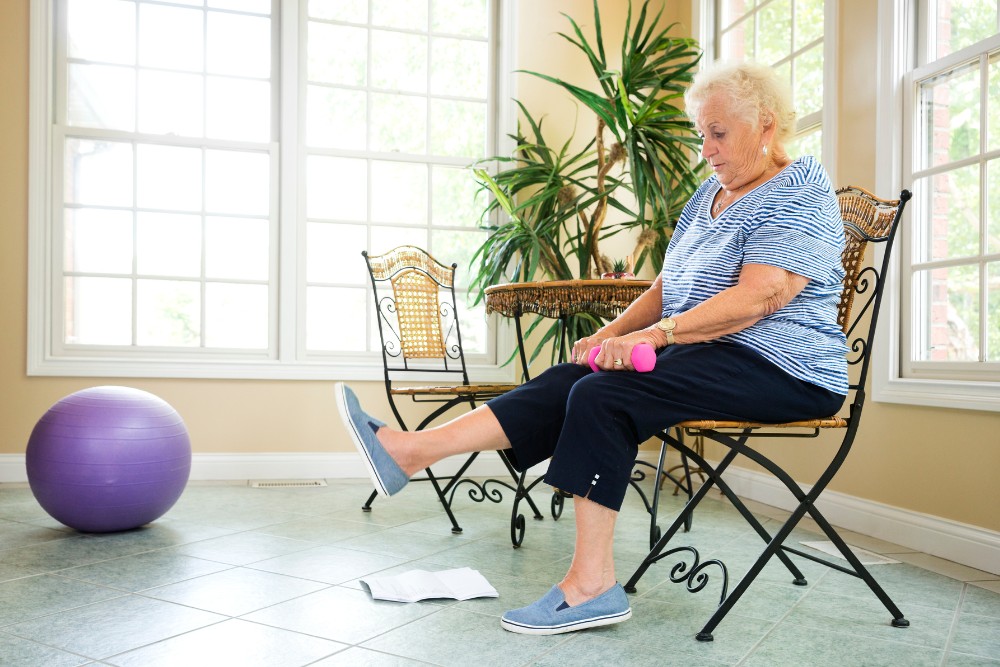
355,369
937,393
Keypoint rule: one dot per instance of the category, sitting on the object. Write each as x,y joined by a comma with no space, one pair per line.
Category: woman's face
732,147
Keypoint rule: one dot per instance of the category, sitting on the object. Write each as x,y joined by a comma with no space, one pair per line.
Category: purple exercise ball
106,459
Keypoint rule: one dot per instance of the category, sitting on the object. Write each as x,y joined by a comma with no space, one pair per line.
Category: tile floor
234,575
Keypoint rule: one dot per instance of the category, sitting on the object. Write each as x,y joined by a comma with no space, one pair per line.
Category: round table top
557,298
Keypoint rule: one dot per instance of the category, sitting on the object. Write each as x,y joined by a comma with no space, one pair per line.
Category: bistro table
560,299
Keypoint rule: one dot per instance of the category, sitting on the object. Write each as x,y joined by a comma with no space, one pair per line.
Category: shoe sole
359,444
568,627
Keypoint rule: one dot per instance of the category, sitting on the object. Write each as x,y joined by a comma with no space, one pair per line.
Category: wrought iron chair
419,329
867,219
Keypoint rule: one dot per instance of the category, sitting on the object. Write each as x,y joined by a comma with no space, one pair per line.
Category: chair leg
773,547
455,528
898,620
653,507
367,507
798,578
688,472
687,481
681,519
654,529
688,487
517,523
737,445
521,491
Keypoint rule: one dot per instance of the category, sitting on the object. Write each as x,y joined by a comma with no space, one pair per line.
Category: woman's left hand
616,352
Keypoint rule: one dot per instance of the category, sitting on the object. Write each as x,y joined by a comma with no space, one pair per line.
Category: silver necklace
718,205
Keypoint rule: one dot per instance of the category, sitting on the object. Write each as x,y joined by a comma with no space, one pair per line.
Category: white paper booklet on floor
461,584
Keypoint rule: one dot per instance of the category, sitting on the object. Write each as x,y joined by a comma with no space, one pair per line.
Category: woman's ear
768,127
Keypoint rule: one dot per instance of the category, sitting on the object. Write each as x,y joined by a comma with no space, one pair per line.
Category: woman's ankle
393,442
579,592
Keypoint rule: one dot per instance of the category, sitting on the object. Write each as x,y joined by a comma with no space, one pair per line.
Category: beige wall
935,461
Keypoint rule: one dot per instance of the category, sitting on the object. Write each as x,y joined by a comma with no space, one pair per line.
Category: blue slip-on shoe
386,474
551,615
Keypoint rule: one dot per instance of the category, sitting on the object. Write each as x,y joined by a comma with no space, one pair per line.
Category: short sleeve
799,229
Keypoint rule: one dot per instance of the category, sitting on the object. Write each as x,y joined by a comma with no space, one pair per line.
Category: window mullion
984,80
428,134
286,313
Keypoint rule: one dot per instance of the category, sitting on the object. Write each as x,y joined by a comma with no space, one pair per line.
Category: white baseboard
962,543
332,465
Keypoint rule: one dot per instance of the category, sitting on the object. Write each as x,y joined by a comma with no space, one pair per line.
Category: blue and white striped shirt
793,222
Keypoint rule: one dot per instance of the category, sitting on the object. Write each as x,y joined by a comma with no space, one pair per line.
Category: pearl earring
765,151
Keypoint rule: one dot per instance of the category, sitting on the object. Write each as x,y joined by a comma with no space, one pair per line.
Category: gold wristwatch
666,325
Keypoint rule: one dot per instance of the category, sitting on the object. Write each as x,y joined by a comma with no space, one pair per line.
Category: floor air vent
286,484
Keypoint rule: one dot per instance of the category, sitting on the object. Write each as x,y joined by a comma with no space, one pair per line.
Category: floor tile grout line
749,654
534,659
166,639
393,655
56,648
229,617
954,625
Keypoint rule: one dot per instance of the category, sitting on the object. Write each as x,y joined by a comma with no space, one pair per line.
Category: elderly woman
743,319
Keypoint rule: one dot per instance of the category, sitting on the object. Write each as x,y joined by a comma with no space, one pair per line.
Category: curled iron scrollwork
392,344
392,348
858,348
637,475
482,492
448,314
558,503
517,530
867,278
693,574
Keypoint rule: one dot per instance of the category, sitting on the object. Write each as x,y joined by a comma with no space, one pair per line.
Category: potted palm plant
555,200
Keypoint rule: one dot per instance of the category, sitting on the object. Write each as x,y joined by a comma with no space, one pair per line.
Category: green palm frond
546,215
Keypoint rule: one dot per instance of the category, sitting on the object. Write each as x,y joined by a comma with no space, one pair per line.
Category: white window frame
897,32
703,14
42,359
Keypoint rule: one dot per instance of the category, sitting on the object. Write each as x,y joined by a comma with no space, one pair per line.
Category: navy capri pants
591,424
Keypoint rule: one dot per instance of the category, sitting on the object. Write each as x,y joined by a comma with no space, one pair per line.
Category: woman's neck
767,173
726,196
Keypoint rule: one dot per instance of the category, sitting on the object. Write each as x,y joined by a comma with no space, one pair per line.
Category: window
791,36
952,257
207,173
949,157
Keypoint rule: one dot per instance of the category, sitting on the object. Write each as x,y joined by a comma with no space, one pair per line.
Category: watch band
666,325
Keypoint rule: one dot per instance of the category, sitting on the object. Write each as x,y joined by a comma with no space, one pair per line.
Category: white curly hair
755,94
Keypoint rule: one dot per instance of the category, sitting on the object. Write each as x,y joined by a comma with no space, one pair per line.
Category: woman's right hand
582,347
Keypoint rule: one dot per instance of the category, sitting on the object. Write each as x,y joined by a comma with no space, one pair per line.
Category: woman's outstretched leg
474,431
392,456
527,421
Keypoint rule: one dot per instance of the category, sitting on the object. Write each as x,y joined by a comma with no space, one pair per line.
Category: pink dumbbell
643,357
